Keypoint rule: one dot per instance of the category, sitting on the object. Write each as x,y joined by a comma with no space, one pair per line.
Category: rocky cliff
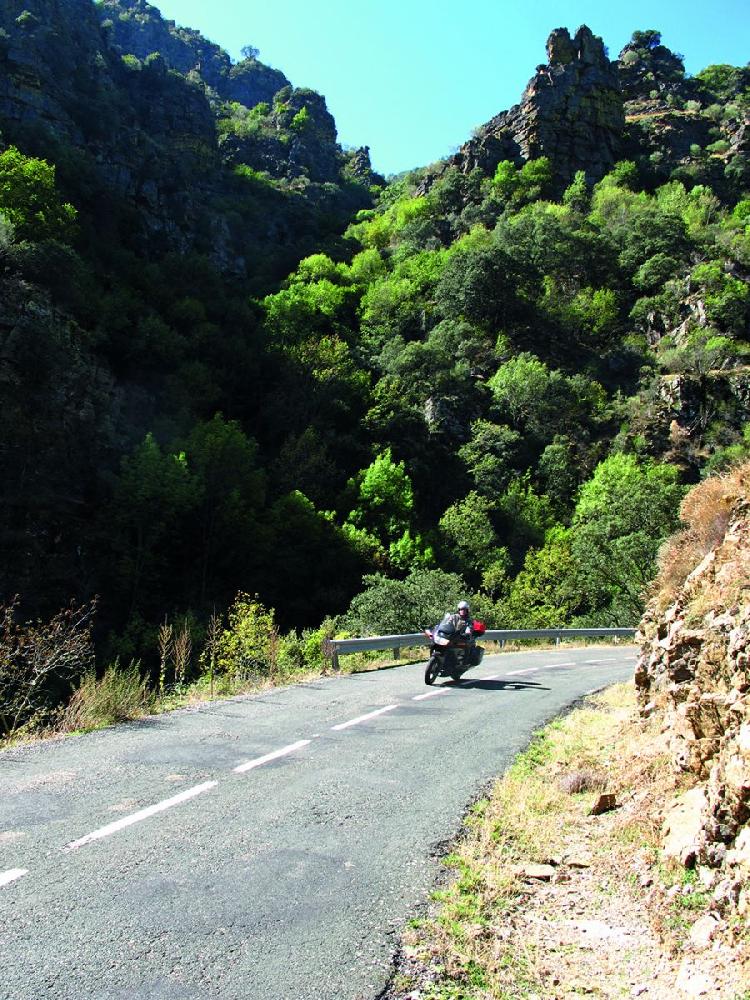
130,108
571,112
694,671
137,28
585,112
680,126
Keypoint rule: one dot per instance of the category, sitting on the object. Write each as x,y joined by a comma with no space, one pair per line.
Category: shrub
250,646
40,659
29,199
705,511
395,607
119,695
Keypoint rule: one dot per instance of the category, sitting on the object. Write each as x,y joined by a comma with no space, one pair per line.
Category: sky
412,78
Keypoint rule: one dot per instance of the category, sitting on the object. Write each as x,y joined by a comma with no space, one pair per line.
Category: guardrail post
557,639
396,652
330,652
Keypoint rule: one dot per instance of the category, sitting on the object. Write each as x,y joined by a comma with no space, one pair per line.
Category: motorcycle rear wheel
432,670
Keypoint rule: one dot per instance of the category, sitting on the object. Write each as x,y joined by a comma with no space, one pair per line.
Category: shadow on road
497,685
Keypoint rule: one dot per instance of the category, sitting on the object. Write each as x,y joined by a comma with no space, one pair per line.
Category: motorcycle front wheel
432,670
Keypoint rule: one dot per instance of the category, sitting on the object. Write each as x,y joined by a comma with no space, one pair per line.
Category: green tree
385,498
229,495
152,497
29,199
543,595
491,456
524,518
624,513
469,535
312,567
396,607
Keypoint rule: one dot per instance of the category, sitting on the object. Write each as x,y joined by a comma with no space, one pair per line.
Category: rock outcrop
297,139
668,125
694,669
571,112
135,27
137,103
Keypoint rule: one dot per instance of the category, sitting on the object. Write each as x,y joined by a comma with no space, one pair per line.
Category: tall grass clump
119,695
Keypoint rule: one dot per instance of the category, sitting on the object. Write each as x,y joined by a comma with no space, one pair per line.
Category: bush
38,661
29,199
116,697
250,646
395,607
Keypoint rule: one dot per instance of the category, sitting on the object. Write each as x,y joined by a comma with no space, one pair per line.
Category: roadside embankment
560,885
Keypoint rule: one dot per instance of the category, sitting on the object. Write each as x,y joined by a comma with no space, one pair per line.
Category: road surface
264,848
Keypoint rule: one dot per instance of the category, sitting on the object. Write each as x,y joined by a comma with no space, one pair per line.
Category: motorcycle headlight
440,640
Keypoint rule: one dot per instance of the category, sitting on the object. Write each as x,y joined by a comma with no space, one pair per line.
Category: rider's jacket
462,625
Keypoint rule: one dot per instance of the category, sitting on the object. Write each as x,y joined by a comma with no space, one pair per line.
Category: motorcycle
451,653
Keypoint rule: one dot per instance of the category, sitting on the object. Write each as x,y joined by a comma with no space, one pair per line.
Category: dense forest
240,371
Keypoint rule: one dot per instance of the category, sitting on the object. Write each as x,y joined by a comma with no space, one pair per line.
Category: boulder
682,826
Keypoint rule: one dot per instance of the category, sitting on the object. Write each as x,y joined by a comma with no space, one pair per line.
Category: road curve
264,848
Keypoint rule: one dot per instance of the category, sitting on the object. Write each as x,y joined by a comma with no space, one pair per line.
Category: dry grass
706,510
496,933
119,695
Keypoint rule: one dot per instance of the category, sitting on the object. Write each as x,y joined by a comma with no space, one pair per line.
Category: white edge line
363,718
431,694
12,874
250,764
142,814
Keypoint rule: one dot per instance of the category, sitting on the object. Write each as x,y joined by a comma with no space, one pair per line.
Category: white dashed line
569,663
431,694
12,874
364,718
142,814
250,764
528,670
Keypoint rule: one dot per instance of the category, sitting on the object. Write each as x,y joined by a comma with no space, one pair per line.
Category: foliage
29,198
384,497
470,540
39,660
249,646
623,514
394,607
542,595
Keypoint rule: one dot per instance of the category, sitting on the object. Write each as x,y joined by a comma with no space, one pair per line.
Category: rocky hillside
584,111
694,672
154,123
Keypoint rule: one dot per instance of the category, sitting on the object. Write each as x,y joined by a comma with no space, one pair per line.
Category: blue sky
412,78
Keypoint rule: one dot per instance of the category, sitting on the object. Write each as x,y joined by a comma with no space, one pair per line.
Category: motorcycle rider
461,620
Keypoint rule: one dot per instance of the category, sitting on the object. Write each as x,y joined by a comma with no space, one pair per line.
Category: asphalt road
264,848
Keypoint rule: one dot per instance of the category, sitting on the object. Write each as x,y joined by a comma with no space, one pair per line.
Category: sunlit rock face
694,668
571,112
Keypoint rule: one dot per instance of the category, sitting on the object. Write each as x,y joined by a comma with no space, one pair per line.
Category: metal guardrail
333,648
